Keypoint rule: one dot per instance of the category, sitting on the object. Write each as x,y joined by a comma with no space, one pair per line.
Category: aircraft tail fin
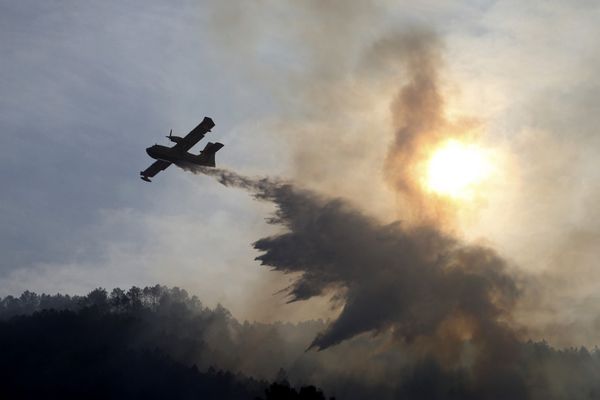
208,153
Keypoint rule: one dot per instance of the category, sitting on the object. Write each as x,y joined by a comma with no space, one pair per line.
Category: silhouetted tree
283,391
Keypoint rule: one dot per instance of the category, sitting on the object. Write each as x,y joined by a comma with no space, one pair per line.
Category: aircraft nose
149,151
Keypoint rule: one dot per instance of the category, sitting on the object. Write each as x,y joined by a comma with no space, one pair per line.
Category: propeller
174,139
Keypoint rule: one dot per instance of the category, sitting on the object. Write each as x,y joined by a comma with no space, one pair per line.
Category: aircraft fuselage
170,154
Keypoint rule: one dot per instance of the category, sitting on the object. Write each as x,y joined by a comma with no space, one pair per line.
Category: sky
303,91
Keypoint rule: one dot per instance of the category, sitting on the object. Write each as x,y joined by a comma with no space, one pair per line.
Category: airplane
165,156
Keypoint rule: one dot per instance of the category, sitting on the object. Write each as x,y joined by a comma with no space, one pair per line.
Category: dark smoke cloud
426,289
409,279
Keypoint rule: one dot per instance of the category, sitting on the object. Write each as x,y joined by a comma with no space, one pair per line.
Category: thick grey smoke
426,289
409,279
413,281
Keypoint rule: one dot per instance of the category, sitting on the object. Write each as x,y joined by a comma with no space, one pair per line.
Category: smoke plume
426,289
418,118
435,296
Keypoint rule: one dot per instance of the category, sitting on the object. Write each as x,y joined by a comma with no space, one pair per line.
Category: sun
456,169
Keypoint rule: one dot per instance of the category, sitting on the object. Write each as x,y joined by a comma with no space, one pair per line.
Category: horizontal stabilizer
207,155
212,148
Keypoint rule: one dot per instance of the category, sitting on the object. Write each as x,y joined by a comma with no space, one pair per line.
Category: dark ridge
135,344
159,342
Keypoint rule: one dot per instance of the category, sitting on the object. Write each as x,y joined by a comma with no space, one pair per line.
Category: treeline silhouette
159,342
139,343
151,298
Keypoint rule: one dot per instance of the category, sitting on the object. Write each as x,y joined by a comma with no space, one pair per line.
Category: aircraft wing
195,135
154,169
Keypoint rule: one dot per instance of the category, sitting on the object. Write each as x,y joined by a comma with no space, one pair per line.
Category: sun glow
456,169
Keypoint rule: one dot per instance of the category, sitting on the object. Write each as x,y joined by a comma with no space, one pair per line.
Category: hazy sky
295,90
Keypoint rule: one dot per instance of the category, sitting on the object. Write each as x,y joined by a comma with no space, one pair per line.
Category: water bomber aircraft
166,156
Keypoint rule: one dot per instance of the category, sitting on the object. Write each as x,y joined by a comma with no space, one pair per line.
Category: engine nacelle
175,139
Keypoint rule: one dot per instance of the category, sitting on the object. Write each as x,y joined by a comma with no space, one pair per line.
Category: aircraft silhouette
165,156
